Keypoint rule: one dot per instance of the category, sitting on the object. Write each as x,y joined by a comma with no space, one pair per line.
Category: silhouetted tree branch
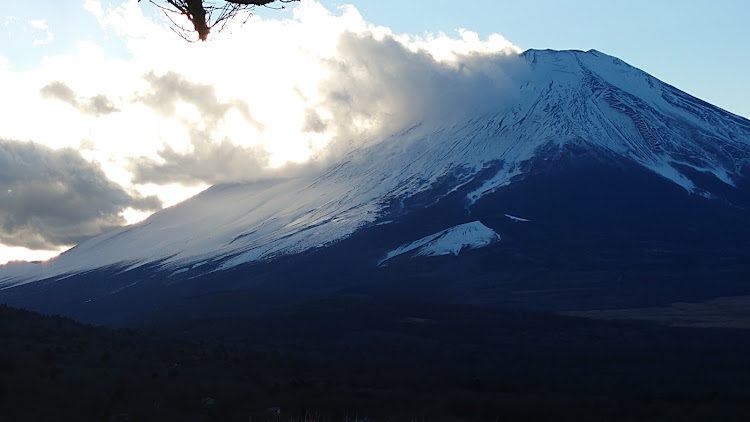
207,15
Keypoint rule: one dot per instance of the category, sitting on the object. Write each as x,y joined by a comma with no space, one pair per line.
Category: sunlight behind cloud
8,254
234,109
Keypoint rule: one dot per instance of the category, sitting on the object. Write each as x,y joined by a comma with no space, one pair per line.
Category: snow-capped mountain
571,107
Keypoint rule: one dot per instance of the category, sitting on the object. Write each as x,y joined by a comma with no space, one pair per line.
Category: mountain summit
595,170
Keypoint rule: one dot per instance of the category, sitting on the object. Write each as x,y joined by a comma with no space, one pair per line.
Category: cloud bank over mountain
381,85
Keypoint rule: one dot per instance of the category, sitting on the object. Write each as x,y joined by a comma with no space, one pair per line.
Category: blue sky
107,93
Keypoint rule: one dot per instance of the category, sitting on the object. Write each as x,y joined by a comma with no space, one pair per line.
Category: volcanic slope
612,167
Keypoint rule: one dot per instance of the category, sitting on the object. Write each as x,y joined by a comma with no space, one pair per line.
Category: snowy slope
449,241
586,99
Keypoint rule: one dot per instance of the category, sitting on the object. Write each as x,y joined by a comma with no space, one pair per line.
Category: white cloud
445,48
41,26
95,8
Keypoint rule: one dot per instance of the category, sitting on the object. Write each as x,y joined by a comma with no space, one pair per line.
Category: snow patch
669,172
517,219
180,271
449,241
502,178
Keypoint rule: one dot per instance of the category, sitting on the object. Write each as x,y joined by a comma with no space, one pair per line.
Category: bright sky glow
265,75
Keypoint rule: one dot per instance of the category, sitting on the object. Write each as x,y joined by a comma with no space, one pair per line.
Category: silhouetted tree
207,15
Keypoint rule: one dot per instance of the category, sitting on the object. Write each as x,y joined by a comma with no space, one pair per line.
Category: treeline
527,367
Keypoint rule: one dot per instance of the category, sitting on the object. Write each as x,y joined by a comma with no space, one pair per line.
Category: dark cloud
60,91
313,122
171,87
51,198
96,106
208,162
